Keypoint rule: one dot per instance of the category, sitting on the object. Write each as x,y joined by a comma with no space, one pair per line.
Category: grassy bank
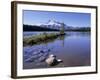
40,38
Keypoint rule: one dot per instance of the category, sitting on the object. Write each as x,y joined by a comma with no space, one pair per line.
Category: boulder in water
52,60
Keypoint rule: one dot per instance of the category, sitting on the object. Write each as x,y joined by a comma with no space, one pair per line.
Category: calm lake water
74,49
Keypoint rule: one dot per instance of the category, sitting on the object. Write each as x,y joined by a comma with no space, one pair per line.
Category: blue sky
69,18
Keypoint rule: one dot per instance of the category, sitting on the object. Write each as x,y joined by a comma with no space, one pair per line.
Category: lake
74,49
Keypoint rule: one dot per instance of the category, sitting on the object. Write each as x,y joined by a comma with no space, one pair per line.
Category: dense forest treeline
39,28
36,28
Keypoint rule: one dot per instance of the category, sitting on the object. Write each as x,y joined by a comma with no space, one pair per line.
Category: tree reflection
62,39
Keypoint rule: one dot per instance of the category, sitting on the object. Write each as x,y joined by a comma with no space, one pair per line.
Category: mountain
52,25
53,22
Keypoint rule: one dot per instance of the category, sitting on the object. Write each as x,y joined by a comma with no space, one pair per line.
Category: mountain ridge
52,25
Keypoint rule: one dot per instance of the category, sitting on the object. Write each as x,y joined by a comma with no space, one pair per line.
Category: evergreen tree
62,31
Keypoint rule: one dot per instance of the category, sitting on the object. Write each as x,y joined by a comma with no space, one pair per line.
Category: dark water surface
73,48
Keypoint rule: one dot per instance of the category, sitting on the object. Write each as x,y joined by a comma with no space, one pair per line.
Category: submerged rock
42,55
38,56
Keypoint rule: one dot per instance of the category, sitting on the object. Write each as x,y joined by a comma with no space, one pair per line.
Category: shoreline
41,38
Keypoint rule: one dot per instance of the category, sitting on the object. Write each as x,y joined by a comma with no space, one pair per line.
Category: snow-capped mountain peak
53,22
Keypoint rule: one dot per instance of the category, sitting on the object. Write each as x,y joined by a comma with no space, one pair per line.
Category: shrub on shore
40,38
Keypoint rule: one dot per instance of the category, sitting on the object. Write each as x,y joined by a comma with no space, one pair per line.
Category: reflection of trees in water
84,33
62,39
78,33
48,41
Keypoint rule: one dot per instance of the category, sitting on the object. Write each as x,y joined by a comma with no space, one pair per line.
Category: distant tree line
36,28
39,28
